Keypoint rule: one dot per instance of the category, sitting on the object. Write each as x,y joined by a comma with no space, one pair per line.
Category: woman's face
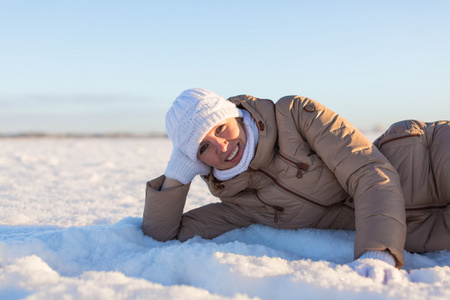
223,146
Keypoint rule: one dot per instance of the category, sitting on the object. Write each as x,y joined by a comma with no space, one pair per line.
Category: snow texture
70,227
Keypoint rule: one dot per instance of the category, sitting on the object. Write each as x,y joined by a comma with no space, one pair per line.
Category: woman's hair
240,120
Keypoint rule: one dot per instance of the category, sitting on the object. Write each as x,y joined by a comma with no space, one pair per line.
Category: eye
202,149
220,128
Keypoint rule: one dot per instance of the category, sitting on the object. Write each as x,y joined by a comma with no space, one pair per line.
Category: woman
297,164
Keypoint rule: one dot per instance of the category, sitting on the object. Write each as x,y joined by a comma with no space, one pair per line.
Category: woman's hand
181,168
379,266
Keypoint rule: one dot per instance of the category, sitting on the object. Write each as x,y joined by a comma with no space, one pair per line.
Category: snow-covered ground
70,217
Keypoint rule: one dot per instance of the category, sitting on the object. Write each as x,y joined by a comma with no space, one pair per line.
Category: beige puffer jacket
312,169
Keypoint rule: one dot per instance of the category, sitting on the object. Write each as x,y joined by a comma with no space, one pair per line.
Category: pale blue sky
116,66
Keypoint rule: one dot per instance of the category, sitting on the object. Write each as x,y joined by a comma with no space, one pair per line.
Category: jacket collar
263,111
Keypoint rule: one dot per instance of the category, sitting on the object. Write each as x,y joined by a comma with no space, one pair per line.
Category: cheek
208,158
236,133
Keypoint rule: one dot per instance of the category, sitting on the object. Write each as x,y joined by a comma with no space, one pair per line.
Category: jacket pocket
399,131
301,167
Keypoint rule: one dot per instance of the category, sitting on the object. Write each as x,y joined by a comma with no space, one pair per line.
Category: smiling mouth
233,154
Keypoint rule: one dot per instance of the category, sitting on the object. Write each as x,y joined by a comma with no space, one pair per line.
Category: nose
221,144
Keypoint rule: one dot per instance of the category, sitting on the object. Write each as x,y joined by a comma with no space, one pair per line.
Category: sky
116,66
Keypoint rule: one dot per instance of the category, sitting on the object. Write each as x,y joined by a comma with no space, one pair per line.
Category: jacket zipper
399,138
287,190
437,206
275,207
300,166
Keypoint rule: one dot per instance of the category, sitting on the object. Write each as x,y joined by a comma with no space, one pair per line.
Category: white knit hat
193,114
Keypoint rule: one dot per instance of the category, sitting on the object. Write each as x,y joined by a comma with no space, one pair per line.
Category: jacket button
261,125
309,108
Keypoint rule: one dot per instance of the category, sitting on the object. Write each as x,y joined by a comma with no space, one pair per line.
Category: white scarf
249,151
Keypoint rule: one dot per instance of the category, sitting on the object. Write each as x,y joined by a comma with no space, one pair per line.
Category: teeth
233,154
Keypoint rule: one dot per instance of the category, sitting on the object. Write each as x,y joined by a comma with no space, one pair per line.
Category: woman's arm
164,219
170,183
360,169
164,203
165,196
